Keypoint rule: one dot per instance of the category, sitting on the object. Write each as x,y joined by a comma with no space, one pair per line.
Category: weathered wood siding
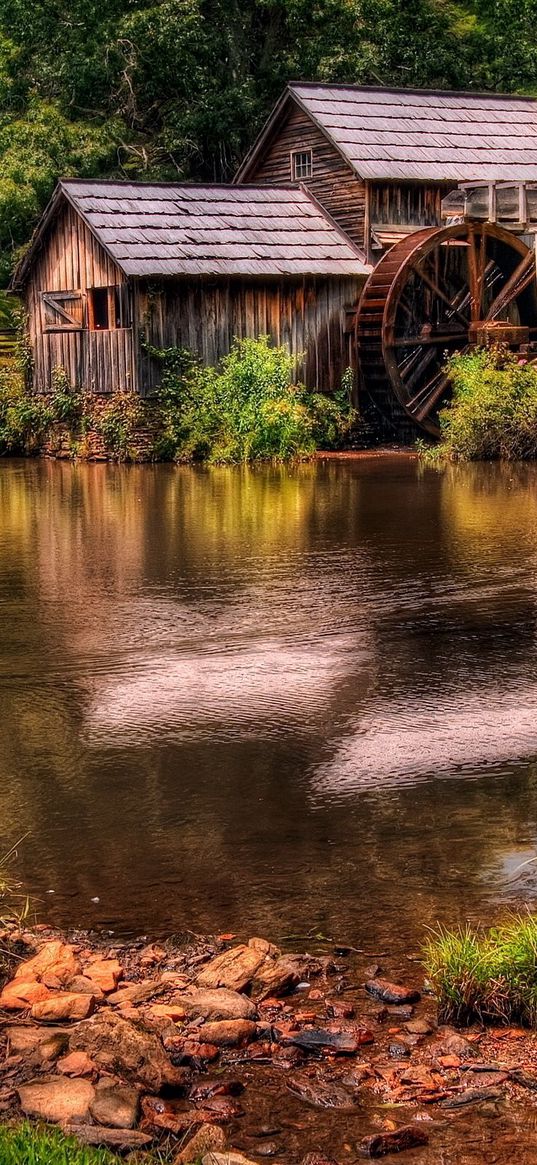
308,315
72,260
333,182
407,203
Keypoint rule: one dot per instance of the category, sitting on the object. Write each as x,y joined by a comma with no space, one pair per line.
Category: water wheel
438,291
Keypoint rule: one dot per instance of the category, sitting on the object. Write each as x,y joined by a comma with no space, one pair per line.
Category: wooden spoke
435,291
434,338
516,284
451,303
429,396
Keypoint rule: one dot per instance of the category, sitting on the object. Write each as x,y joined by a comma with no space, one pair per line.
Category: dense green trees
178,88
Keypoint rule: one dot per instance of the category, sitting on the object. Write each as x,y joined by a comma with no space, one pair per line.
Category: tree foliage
178,88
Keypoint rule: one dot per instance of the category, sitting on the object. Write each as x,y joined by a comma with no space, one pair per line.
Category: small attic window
301,165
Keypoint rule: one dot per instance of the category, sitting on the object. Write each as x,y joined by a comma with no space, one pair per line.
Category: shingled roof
422,134
152,229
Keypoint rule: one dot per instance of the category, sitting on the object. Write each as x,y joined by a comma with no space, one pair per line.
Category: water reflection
227,695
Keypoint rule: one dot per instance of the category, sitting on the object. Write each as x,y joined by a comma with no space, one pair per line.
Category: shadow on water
270,698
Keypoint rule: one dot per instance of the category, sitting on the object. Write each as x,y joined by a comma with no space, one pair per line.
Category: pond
273,700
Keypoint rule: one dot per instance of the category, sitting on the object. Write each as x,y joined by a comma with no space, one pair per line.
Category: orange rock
65,1005
449,1061
234,969
105,972
54,958
76,1064
229,1032
171,1011
20,994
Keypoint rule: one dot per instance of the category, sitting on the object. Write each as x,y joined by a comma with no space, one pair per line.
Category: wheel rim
430,296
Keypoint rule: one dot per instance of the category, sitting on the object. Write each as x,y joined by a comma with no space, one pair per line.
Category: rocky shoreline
234,1051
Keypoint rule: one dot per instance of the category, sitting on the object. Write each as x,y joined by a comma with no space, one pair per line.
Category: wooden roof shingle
420,134
181,230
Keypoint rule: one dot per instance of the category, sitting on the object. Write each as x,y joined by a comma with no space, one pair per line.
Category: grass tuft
489,976
38,1145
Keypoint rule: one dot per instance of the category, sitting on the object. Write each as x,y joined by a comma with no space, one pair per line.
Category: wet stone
380,1144
399,1051
321,1094
391,992
207,1139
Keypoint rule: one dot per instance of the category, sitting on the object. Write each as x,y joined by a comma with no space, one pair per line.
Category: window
108,307
62,311
99,318
301,165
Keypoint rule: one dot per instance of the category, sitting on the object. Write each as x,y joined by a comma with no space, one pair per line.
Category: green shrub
493,412
24,418
33,1145
247,409
490,976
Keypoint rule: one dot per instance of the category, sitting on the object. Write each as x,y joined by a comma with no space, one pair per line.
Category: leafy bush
493,412
489,976
247,409
24,418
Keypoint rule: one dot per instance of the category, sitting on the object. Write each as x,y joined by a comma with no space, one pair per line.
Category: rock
233,969
165,1114
26,1039
227,1033
230,1158
419,1027
265,948
319,1094
205,1088
207,1139
55,958
172,1011
399,1051
22,993
524,1079
455,1045
320,1039
124,1046
275,978
105,972
219,1004
391,992
407,1137
135,992
184,1051
121,1139
471,1096
317,1159
421,1075
66,1005
341,1011
76,1064
268,1149
84,986
115,1105
51,1046
57,1099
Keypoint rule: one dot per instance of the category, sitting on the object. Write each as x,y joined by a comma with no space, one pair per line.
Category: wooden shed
116,267
381,160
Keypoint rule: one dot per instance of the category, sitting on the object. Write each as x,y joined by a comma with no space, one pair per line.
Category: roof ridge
356,88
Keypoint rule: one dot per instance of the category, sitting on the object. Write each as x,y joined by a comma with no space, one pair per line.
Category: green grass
489,976
27,1144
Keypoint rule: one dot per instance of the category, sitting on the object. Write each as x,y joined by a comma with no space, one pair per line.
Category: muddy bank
200,1045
